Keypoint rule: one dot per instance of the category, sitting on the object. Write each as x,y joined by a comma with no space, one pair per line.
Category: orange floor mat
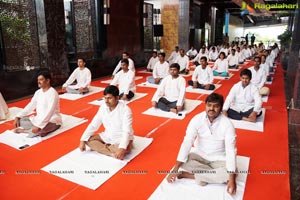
268,151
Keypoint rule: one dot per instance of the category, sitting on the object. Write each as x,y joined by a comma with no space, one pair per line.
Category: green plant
12,24
285,38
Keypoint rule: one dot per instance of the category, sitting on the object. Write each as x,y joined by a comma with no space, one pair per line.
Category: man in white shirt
201,53
213,54
125,80
246,52
4,112
169,96
233,60
83,78
45,102
203,76
173,55
116,117
152,61
160,70
183,62
240,56
131,67
192,53
243,101
259,77
213,157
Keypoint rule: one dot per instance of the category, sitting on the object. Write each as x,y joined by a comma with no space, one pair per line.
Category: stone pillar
169,19
56,45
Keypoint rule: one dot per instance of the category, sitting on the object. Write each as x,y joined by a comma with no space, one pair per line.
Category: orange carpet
268,176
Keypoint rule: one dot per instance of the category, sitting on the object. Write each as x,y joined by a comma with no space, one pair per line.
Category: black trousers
211,86
166,105
129,95
239,115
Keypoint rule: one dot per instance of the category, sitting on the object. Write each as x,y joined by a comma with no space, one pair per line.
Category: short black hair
45,74
162,54
111,89
223,54
80,58
246,72
126,53
216,98
257,57
125,60
175,65
204,58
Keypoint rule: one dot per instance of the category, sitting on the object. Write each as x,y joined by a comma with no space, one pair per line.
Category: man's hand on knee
82,145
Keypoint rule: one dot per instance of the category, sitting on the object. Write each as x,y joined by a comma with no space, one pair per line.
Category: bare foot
19,130
248,119
174,110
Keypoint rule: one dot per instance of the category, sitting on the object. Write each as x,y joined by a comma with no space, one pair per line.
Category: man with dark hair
160,70
183,62
116,117
203,76
243,101
259,77
213,157
131,67
83,78
125,81
46,104
169,96
152,61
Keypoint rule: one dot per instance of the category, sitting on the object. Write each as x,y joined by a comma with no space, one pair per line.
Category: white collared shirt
160,70
125,81
173,56
243,99
259,77
117,125
265,66
83,78
119,66
212,141
200,55
203,76
213,55
233,59
46,105
171,89
183,62
221,65
152,62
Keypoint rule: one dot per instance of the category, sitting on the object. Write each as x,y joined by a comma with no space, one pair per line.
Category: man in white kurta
125,79
243,101
213,156
152,61
131,67
233,60
116,117
170,94
213,54
160,70
83,78
183,62
259,77
45,102
203,76
173,55
3,108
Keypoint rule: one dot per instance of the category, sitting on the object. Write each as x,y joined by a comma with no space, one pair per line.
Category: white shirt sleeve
229,98
92,127
160,90
72,78
88,78
29,107
127,129
182,85
118,67
257,101
230,149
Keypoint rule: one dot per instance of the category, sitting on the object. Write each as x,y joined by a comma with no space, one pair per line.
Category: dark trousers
128,96
239,115
211,86
232,66
166,105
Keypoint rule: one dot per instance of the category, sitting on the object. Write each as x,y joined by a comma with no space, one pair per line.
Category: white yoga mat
69,96
91,169
201,91
136,96
189,189
223,78
257,126
19,140
144,71
189,106
269,82
147,84
265,98
13,111
109,80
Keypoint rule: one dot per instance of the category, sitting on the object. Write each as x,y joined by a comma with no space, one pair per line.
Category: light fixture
106,17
